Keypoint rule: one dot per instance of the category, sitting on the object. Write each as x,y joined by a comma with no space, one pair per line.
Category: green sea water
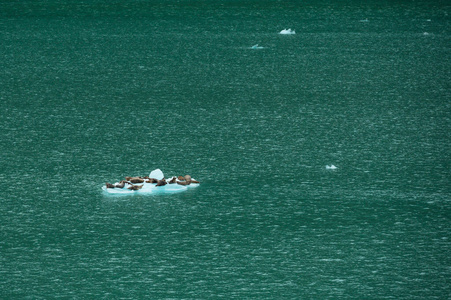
93,91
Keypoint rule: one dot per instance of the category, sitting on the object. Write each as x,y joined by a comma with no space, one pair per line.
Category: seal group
131,182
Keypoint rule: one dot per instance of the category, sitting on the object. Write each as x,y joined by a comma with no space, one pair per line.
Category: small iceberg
256,46
331,167
157,174
287,31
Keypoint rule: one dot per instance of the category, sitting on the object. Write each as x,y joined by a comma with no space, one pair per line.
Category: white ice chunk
256,46
157,174
287,31
331,167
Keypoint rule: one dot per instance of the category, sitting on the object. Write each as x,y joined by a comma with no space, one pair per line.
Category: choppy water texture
93,91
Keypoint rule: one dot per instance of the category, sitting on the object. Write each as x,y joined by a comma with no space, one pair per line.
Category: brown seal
135,179
109,185
152,180
186,180
121,184
161,182
173,180
135,187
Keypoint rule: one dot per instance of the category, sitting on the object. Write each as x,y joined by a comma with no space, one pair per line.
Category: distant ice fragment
157,174
256,46
287,31
331,167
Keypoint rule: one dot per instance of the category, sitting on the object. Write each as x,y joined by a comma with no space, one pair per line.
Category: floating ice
331,167
287,31
157,174
256,46
150,188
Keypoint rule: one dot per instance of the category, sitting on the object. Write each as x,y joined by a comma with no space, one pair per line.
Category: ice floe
256,46
155,183
287,31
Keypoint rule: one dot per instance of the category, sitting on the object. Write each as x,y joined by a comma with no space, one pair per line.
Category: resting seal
188,178
121,184
173,180
161,182
152,180
135,179
109,185
135,187
185,180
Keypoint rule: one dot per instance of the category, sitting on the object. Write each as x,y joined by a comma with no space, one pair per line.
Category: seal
161,182
135,179
109,185
152,180
186,180
135,187
173,180
121,184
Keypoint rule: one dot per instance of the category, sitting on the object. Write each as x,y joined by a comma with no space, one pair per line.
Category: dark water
92,91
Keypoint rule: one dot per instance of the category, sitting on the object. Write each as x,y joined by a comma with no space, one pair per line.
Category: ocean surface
93,91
